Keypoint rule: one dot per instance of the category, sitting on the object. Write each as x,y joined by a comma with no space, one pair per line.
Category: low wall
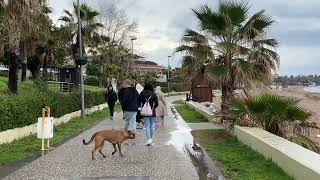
205,113
295,160
175,93
18,133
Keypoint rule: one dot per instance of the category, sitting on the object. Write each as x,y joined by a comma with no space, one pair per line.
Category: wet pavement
168,158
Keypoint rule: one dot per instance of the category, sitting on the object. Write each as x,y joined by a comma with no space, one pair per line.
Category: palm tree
89,29
243,54
21,22
33,20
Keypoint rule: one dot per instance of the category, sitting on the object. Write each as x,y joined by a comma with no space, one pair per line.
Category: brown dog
115,137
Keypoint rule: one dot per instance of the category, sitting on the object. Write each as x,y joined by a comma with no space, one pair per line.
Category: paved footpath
165,160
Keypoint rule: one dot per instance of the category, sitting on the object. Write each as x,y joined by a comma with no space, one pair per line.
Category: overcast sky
162,22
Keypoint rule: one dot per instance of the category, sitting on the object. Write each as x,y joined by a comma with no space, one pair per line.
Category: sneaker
111,118
149,142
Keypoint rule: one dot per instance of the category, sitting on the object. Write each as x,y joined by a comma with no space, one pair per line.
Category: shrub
24,109
3,85
91,81
4,73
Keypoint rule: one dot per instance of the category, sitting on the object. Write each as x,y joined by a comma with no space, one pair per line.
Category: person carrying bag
149,102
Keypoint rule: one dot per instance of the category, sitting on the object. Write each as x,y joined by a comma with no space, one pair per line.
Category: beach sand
308,101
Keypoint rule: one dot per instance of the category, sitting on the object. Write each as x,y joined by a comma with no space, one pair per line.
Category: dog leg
119,147
115,148
100,150
93,152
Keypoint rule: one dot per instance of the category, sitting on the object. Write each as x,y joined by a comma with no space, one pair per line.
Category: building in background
142,67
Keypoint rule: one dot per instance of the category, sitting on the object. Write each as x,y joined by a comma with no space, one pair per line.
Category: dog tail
86,143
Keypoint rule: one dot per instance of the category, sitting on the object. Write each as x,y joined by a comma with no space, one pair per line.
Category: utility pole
132,59
81,67
168,76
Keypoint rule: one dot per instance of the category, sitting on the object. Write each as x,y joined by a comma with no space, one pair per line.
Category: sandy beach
309,101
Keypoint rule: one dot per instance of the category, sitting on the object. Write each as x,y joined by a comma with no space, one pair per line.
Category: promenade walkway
165,160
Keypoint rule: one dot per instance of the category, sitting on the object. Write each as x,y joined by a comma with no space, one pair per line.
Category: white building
143,67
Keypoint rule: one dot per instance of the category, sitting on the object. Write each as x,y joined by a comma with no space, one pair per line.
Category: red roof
145,66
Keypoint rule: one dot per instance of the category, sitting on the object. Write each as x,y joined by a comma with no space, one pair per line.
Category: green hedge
176,87
4,73
91,81
24,109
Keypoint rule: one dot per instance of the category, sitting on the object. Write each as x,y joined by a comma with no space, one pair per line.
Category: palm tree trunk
227,93
13,77
23,49
24,70
227,87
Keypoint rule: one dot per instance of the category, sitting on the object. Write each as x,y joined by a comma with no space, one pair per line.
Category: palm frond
234,10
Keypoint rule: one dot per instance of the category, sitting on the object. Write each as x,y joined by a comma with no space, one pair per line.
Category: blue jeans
130,121
149,124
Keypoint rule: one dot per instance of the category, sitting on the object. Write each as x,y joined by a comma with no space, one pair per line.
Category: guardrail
61,86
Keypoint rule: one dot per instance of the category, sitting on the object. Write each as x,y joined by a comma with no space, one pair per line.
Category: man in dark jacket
130,104
111,98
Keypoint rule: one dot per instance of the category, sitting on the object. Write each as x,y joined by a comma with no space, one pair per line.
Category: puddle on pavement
183,141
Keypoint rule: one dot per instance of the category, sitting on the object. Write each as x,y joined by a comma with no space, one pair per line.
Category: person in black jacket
120,94
147,95
130,105
111,98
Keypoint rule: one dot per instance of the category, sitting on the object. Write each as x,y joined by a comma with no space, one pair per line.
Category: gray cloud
162,22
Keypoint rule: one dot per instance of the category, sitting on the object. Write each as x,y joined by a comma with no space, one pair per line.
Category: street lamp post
132,58
168,76
81,67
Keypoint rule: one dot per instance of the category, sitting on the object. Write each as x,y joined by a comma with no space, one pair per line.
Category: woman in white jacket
161,110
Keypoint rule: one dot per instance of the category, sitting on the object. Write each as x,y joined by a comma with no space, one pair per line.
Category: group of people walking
148,105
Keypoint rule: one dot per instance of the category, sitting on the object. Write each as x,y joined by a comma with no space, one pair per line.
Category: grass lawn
189,114
27,146
236,160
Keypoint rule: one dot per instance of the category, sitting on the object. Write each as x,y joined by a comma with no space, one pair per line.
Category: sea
312,89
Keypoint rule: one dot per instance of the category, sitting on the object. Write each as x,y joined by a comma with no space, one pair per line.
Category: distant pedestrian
161,110
130,105
139,88
149,102
111,98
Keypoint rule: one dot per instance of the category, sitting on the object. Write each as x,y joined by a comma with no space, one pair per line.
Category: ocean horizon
312,89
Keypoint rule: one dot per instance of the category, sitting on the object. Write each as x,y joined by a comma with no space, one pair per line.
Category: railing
60,86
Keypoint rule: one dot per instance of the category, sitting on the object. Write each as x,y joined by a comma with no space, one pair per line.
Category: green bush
3,85
91,81
24,109
4,73
175,87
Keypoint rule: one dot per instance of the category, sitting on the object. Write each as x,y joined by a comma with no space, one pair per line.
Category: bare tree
117,25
